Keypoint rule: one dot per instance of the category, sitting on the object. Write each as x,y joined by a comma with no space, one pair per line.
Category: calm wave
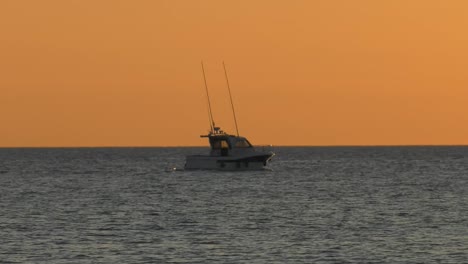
317,205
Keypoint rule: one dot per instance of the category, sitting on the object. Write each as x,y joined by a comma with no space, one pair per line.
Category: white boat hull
253,162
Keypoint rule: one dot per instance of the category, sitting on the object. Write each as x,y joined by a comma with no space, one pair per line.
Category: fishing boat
228,152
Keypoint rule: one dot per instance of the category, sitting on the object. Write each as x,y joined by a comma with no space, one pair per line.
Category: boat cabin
225,144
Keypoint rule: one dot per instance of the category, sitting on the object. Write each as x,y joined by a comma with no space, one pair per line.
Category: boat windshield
242,144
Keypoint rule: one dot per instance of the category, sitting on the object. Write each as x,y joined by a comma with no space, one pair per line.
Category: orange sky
322,72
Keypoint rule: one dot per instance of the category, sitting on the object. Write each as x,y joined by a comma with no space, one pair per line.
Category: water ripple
317,205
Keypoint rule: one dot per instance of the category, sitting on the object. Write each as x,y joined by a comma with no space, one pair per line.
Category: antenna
212,123
230,96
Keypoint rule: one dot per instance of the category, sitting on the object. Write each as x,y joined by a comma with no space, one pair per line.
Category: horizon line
255,146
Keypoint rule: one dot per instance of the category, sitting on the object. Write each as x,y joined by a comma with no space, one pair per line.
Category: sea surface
315,205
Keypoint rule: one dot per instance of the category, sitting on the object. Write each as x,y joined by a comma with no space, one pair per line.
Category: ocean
315,205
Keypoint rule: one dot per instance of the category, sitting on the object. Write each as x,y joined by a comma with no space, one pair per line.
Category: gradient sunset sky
310,72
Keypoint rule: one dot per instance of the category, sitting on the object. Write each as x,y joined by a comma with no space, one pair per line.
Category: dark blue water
318,205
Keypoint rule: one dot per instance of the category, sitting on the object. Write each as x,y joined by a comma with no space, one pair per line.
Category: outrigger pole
230,96
212,123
